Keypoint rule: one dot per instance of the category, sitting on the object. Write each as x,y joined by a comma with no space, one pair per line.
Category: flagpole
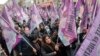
28,43
17,32
94,12
8,24
23,36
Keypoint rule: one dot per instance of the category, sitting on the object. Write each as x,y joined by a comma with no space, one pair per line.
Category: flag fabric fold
35,18
67,26
90,46
9,32
19,12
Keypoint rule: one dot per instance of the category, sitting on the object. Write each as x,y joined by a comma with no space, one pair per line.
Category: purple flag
9,31
52,13
91,5
7,17
67,26
87,15
9,34
84,18
79,3
44,14
90,46
16,7
36,18
18,39
94,10
82,10
19,12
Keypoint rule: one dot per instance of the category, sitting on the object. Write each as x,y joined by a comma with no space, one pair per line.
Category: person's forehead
26,28
47,37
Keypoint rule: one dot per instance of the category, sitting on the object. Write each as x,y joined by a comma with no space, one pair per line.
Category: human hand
55,52
56,47
35,51
20,54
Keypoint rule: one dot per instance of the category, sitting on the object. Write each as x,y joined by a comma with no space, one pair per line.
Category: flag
94,10
84,18
67,26
9,32
91,44
35,18
82,11
79,3
86,11
44,14
6,16
52,12
19,12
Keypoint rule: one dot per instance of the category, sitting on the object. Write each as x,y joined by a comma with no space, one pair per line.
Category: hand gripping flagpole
24,38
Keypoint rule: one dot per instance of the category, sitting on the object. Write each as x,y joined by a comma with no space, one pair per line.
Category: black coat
81,35
24,48
47,51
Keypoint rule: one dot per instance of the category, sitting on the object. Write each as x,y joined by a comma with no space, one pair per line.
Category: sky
3,1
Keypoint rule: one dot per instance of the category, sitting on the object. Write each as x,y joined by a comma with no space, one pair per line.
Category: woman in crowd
24,48
42,30
48,47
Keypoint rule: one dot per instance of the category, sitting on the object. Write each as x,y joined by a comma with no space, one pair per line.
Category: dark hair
0,32
51,45
27,7
79,18
41,24
49,19
0,28
44,37
24,21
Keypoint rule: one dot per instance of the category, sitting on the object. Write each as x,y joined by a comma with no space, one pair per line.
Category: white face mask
47,29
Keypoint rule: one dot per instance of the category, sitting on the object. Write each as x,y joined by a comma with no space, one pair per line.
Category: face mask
47,29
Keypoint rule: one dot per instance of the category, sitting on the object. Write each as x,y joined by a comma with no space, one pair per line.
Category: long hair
51,45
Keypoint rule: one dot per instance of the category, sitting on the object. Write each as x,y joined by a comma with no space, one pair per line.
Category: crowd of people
44,40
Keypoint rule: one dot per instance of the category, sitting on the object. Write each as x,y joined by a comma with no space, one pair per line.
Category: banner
67,26
91,45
